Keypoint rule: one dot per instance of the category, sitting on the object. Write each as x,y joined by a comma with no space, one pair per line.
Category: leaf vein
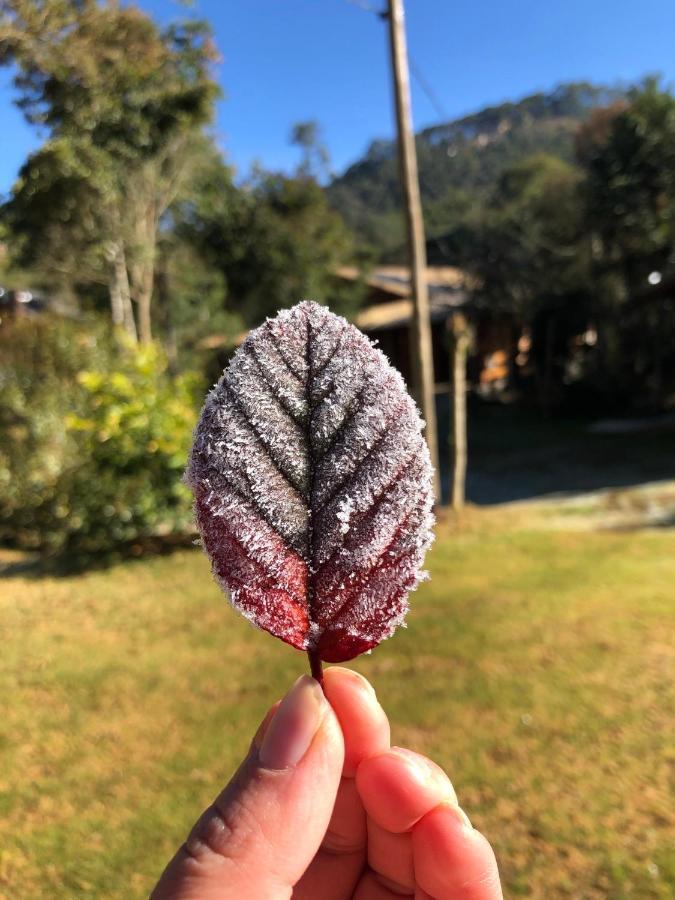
351,601
364,459
277,346
354,409
371,510
253,502
297,420
324,365
261,442
269,577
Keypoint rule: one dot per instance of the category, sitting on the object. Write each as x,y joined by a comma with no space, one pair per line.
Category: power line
368,7
432,96
415,68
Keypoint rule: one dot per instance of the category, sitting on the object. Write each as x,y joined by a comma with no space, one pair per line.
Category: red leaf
312,485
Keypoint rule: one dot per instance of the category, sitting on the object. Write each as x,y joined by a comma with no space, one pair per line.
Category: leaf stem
315,665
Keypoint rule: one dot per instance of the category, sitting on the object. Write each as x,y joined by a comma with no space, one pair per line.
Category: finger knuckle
225,830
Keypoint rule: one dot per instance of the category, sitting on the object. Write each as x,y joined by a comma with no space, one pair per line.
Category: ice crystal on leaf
312,484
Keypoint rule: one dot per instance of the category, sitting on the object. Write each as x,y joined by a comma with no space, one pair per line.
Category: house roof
446,286
394,309
395,280
399,313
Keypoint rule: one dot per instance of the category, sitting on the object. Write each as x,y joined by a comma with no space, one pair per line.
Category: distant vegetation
460,162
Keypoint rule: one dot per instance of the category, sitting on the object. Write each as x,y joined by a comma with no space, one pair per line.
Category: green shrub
94,442
39,363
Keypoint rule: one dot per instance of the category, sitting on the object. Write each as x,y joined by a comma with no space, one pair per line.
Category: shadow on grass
32,565
667,522
516,454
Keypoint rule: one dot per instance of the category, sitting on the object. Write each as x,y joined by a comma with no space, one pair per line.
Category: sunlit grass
538,668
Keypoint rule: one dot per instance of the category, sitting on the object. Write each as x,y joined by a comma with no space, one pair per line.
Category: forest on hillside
459,163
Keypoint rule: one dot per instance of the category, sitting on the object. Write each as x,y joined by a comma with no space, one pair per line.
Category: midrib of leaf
311,466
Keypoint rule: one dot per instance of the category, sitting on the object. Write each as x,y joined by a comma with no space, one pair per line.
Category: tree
530,259
315,162
191,302
121,102
61,226
627,152
274,239
525,242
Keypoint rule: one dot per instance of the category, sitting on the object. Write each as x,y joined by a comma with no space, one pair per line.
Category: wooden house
386,316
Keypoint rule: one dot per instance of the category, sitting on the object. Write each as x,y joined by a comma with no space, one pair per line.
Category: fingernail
294,725
264,725
458,813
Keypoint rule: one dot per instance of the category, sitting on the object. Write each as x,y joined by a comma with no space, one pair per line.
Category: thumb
263,830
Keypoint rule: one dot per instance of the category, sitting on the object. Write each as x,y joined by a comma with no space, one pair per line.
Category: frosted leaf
344,514
312,484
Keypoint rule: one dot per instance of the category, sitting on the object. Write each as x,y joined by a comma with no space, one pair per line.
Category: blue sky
286,61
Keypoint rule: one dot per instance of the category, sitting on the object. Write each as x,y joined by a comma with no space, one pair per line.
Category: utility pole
421,347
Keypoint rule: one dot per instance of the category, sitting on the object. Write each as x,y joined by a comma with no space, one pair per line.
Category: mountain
459,161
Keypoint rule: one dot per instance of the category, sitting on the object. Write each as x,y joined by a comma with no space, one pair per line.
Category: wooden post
422,354
461,339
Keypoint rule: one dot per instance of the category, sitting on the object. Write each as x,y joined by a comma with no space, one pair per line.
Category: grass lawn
538,668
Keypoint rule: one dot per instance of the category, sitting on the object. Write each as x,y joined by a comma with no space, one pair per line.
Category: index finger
363,721
340,861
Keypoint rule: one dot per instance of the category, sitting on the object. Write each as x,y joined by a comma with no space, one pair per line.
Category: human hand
322,808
